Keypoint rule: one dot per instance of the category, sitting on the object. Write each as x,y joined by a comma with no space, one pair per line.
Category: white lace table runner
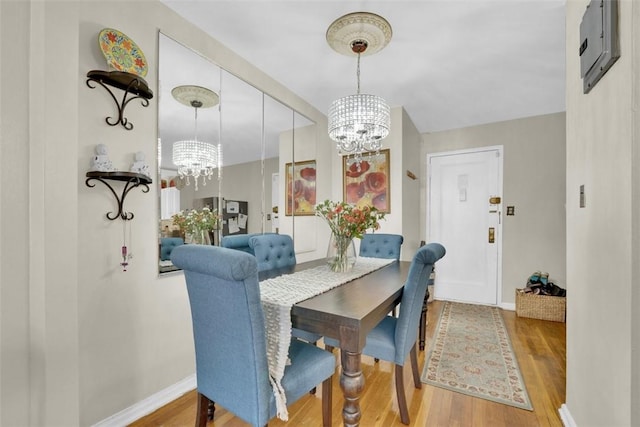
279,294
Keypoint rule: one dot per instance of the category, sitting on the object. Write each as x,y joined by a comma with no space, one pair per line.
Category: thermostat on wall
598,41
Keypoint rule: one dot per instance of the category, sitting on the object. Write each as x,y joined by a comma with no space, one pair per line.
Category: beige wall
635,221
534,177
602,250
14,221
411,144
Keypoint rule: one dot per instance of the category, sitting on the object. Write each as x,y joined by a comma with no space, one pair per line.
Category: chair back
273,251
228,329
415,289
238,242
167,244
380,245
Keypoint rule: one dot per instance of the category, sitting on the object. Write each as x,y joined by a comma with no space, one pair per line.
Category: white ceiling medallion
368,27
190,94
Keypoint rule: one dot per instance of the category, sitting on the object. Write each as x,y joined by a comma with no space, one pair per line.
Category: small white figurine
139,165
100,162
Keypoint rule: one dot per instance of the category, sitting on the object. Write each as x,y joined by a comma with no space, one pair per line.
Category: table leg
352,384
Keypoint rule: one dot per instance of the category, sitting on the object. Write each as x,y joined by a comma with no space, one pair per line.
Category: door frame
499,228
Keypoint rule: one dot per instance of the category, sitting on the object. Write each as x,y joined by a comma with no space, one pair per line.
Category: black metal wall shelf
134,87
131,179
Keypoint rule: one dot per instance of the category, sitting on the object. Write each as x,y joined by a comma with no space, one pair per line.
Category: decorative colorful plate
122,53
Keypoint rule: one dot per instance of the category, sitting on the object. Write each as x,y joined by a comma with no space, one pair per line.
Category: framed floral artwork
300,188
367,184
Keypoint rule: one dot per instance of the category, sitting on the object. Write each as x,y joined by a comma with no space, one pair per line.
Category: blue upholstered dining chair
380,245
276,251
273,251
394,338
238,242
230,342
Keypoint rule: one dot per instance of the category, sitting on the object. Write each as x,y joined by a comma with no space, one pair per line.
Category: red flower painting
301,188
367,184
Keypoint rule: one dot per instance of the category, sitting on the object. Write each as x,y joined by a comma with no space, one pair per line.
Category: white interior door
462,215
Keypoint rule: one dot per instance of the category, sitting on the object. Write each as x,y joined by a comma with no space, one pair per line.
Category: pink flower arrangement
348,221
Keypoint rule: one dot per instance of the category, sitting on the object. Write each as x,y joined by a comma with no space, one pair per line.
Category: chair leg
413,354
202,411
402,400
327,401
212,410
313,390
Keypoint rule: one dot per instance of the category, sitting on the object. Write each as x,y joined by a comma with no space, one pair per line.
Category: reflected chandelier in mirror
194,158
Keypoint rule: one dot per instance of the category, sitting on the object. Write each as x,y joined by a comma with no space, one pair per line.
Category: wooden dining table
347,313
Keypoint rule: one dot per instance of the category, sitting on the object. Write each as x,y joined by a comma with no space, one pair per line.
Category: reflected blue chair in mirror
230,342
238,242
167,244
275,251
394,338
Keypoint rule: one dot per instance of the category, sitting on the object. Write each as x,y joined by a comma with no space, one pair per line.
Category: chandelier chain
196,126
358,73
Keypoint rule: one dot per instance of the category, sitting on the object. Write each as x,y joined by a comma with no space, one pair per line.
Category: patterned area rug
471,353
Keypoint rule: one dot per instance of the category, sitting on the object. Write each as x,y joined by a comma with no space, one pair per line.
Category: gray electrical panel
598,41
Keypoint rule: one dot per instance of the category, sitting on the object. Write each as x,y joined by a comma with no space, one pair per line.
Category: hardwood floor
540,349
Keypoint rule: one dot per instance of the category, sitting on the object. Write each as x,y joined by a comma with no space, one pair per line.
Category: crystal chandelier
194,158
358,123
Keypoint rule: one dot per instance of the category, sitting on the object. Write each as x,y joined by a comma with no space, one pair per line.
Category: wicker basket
542,307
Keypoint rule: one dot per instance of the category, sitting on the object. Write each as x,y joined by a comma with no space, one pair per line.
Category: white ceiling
450,63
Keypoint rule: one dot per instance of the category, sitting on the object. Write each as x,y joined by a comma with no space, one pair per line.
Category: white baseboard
150,404
511,306
566,417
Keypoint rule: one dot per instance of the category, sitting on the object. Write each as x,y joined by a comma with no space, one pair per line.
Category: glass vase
341,253
200,237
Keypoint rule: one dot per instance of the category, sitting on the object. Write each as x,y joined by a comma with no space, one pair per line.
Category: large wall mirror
259,143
